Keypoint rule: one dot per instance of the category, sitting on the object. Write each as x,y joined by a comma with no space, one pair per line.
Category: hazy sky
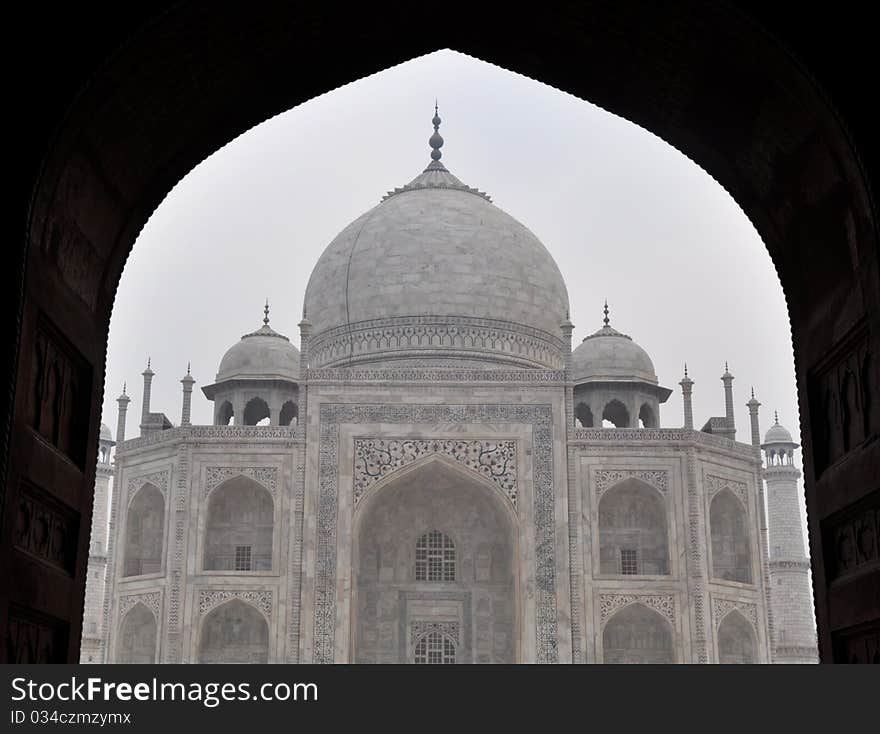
626,216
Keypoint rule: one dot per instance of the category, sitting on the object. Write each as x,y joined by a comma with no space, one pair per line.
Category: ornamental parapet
211,434
435,375
641,436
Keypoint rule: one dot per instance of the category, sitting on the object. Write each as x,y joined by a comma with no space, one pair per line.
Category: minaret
790,593
687,387
305,330
148,382
93,612
727,379
753,406
123,401
187,382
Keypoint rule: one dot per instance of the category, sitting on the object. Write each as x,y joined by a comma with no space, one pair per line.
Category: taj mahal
441,473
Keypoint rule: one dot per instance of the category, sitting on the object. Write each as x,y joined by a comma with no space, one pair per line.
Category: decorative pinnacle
685,369
187,368
266,313
753,392
776,416
436,141
123,388
606,319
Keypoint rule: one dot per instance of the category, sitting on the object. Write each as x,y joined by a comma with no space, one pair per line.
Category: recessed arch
137,636
144,532
647,417
256,412
225,414
584,415
737,642
616,412
239,529
637,634
729,532
234,632
435,497
289,413
633,530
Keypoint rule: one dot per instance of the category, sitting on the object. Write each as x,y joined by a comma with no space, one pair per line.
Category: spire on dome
606,319
266,313
436,141
776,416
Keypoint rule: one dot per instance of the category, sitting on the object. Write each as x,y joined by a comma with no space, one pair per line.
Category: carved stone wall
211,598
263,475
662,603
376,458
539,417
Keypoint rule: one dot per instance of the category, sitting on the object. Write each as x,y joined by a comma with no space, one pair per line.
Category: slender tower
91,648
727,379
795,636
687,388
187,383
753,406
145,405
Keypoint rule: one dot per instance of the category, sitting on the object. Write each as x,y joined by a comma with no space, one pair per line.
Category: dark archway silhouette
114,128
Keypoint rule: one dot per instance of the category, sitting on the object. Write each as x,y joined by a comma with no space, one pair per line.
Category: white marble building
428,479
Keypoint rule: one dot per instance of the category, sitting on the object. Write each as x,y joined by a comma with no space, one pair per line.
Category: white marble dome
778,434
263,355
609,355
436,270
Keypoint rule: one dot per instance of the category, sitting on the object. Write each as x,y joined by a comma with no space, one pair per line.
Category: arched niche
736,640
616,413
729,531
584,415
240,526
137,636
633,537
256,412
647,417
144,532
225,414
234,632
478,596
637,634
289,413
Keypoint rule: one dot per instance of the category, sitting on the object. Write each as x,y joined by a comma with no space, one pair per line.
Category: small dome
106,435
778,434
261,355
609,355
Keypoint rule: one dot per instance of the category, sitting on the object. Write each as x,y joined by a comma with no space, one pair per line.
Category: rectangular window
629,561
243,558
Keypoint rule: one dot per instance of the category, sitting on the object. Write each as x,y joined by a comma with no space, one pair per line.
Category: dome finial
776,416
123,388
606,319
685,369
187,368
436,141
266,313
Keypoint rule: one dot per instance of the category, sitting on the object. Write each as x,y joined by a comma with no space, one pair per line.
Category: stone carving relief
855,538
540,419
45,528
843,398
266,476
428,374
722,607
209,598
60,394
158,479
150,600
375,458
420,629
604,479
410,336
662,603
715,484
